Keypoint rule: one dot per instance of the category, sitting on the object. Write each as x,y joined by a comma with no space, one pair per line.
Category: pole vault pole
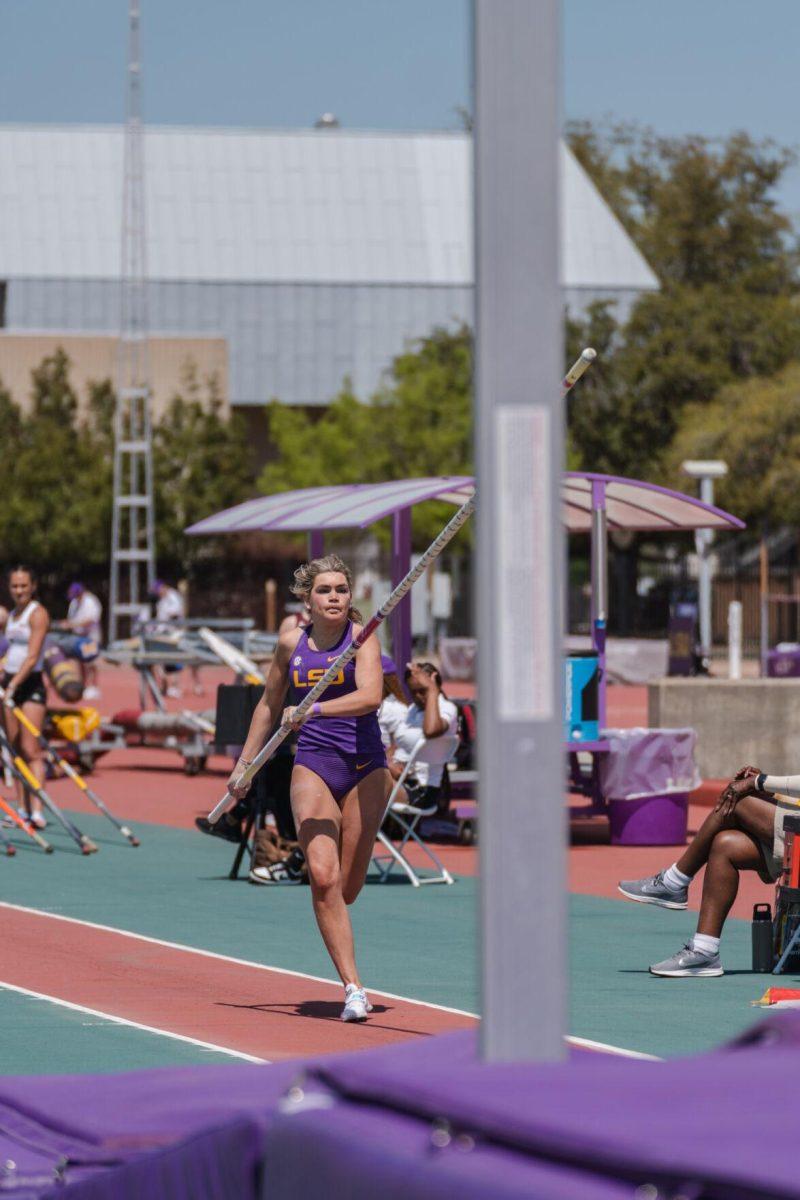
581,364
405,585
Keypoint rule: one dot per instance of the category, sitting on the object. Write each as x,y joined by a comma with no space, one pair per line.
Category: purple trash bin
649,821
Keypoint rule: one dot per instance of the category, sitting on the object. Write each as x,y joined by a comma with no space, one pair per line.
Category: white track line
96,1012
582,1043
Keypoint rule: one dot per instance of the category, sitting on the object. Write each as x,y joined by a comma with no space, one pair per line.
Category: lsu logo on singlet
314,676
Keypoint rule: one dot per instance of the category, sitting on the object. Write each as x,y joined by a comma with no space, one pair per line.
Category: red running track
233,1005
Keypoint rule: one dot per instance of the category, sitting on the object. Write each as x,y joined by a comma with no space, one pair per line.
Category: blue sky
701,66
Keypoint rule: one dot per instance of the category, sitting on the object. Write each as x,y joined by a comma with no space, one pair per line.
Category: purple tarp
648,762
416,1120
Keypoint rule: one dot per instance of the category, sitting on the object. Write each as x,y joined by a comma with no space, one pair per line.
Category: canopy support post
401,565
599,557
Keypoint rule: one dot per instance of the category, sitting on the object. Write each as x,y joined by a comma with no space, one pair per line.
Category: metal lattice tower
133,529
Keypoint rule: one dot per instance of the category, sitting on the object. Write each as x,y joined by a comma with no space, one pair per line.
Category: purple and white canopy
630,504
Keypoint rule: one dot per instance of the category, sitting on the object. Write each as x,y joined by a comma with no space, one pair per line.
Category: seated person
430,715
744,832
394,705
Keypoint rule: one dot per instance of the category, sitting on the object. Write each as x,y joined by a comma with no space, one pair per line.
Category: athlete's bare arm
267,709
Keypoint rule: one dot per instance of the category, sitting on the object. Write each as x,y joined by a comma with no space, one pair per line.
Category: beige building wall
93,359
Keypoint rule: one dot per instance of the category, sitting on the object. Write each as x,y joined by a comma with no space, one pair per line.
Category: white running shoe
38,820
356,1004
91,693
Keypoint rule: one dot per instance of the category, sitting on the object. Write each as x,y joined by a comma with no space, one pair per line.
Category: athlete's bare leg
726,845
319,826
732,851
362,812
31,750
751,815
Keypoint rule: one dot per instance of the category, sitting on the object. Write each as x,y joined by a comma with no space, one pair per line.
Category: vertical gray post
704,537
519,440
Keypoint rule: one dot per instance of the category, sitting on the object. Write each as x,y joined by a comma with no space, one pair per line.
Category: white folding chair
436,752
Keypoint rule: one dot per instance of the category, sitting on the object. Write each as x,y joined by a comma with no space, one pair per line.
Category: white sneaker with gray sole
653,890
356,1004
688,963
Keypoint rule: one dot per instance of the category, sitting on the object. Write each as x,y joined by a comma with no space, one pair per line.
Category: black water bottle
762,938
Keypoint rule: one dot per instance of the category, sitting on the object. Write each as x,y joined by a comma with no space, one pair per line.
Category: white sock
705,943
675,880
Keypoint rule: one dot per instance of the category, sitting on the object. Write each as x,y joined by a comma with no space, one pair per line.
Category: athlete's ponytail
305,575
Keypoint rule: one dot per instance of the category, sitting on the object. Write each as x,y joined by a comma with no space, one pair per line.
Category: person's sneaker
91,693
653,890
356,1004
688,962
38,820
174,693
286,872
223,828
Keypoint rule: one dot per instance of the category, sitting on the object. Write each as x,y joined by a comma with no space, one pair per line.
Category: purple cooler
645,779
783,661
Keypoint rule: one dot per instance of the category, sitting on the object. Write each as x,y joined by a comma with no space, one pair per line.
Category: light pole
706,470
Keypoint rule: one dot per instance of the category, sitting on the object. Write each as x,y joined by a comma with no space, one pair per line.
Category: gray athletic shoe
653,890
688,962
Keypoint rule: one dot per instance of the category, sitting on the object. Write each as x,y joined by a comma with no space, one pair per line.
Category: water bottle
761,927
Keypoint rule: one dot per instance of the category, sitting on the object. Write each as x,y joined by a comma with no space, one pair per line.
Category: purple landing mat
422,1120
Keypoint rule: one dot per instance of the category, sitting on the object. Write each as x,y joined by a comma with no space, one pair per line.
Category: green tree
754,426
55,506
202,462
419,423
704,215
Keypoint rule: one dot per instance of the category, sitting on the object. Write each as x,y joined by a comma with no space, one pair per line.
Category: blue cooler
581,684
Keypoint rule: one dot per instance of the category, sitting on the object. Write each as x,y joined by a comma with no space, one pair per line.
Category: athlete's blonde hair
305,575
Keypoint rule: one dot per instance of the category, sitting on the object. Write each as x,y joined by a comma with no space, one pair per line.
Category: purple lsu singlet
360,736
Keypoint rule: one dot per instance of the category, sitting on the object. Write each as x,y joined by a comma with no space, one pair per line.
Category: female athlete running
339,782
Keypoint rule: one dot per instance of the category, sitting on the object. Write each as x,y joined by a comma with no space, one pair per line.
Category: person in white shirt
170,610
22,680
394,706
430,715
84,619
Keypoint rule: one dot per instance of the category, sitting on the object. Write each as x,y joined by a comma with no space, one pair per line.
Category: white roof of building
237,205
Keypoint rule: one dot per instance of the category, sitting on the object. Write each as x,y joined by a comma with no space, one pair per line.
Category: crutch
61,764
581,364
29,780
25,826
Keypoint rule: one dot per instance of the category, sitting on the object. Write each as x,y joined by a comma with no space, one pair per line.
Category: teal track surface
414,943
40,1038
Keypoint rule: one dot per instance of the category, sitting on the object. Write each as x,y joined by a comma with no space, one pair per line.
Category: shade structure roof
630,504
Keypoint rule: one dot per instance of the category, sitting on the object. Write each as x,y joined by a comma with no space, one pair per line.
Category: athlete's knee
725,844
323,872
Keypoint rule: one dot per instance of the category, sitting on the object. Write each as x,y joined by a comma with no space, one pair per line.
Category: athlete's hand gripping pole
61,764
433,552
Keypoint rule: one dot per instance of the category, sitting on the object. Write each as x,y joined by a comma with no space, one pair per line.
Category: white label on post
523,564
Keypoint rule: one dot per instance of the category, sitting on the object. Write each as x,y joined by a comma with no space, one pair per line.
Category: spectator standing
84,619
